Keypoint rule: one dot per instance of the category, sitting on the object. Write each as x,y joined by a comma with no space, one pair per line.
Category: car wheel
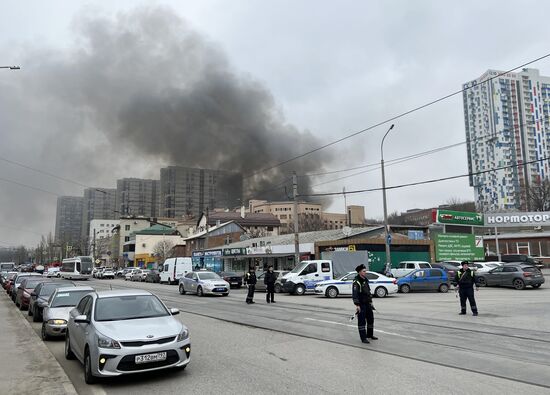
29,312
68,351
169,281
35,315
405,289
43,334
199,291
89,378
299,289
331,292
518,284
380,292
182,289
278,288
443,288
536,286
482,282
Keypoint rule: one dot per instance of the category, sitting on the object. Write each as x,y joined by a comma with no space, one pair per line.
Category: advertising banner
457,217
504,220
457,247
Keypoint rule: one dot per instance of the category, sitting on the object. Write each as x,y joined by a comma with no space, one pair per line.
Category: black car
153,276
235,280
40,296
449,268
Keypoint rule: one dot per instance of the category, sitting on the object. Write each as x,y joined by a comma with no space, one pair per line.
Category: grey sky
322,69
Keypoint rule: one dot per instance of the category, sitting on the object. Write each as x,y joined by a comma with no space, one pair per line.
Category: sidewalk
26,364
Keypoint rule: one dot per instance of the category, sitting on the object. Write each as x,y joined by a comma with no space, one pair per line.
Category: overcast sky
106,88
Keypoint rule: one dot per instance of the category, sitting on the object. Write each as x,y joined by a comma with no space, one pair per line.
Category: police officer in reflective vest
465,280
362,299
250,281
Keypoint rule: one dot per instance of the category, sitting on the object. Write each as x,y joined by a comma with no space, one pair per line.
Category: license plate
219,289
159,356
235,283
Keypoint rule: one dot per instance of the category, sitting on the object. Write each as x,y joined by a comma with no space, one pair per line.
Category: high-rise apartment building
507,123
68,220
99,203
189,191
136,196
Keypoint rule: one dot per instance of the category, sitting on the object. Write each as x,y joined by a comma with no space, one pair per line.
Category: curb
67,384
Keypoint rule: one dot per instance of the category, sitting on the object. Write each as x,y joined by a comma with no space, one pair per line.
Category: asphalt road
306,344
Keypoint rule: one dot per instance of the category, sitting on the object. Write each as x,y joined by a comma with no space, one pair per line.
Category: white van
175,268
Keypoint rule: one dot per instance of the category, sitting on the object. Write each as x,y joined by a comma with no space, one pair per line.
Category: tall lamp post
387,236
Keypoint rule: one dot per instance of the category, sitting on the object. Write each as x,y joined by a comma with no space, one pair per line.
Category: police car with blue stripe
380,285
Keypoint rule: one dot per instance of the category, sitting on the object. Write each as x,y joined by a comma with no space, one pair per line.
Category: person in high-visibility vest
250,281
465,280
362,299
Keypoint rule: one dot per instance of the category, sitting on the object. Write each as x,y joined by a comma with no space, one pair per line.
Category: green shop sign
457,217
457,247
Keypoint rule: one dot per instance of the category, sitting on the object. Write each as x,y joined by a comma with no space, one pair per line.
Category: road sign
457,217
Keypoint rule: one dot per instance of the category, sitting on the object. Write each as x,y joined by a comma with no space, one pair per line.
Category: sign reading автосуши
538,218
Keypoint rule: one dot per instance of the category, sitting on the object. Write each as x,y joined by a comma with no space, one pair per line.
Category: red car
9,283
23,295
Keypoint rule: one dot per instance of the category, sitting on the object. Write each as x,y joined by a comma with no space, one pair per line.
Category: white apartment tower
507,123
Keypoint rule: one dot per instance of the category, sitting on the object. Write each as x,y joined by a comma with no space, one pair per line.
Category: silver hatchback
126,331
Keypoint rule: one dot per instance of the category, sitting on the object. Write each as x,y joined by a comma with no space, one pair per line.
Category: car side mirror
81,319
174,311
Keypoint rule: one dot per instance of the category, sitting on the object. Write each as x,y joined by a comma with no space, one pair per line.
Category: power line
29,186
403,114
428,181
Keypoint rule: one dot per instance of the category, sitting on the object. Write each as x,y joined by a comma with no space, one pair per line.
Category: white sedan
380,285
484,267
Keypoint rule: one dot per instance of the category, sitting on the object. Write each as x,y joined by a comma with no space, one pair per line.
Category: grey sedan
202,283
127,331
56,313
512,275
41,295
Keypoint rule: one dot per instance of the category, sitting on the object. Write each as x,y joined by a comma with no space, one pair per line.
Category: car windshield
32,284
299,268
47,289
208,276
68,298
131,307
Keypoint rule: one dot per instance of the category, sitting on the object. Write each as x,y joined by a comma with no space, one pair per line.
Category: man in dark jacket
465,280
362,299
269,281
250,282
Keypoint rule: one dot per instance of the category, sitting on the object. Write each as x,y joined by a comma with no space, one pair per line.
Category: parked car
380,285
234,279
108,273
129,274
56,313
482,267
52,272
19,277
517,275
406,267
136,275
449,268
23,293
424,280
457,264
41,295
5,277
153,276
260,286
9,281
518,258
121,332
202,283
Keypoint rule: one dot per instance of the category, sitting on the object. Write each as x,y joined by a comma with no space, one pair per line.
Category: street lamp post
386,228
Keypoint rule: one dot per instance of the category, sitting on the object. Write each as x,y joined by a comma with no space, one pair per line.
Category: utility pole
346,206
387,236
295,214
206,241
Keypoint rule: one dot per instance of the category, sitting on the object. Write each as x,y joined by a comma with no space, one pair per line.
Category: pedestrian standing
250,282
465,280
362,299
269,281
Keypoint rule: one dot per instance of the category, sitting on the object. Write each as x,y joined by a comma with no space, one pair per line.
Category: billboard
503,220
457,217
458,247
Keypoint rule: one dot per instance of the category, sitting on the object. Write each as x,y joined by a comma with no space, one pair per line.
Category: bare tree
163,250
538,196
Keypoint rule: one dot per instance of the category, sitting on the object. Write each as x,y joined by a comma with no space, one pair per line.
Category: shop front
209,260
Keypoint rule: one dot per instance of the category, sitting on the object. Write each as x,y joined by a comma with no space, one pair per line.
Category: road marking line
355,326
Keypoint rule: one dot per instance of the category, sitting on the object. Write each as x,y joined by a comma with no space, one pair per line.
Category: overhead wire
393,118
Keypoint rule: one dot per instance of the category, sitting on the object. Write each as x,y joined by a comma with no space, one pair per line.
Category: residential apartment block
507,123
188,191
98,203
137,196
68,220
